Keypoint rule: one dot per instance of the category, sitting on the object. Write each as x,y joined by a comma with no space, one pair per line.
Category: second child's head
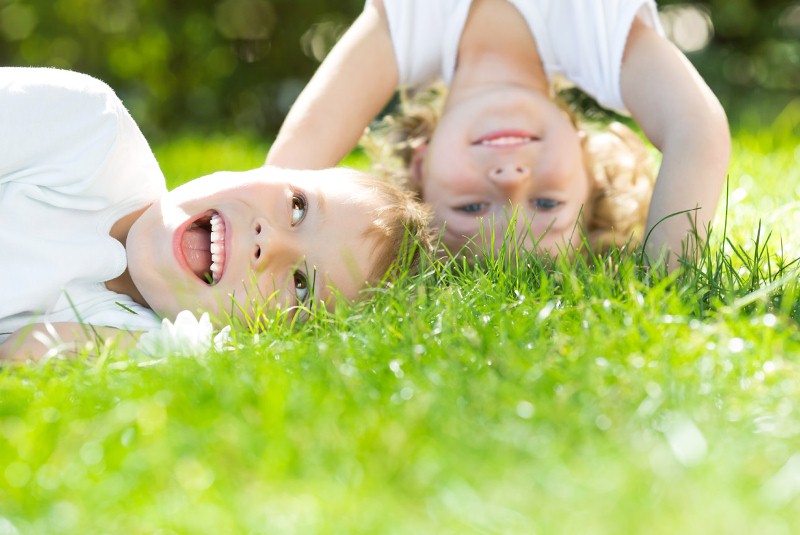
239,242
482,158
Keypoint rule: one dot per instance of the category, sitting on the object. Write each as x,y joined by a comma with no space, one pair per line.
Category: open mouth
203,247
509,138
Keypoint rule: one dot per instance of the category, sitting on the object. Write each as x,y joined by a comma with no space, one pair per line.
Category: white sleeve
586,42
425,35
59,123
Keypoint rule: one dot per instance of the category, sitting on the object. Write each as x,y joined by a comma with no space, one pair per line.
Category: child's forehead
337,185
346,184
325,179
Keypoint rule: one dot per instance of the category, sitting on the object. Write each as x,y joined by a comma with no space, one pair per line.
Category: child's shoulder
50,76
47,82
60,126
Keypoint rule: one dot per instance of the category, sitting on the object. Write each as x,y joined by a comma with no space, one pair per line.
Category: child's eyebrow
321,203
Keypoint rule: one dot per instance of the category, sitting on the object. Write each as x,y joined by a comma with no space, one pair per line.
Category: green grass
584,398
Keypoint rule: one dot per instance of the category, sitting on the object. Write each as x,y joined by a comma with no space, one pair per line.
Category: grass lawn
549,399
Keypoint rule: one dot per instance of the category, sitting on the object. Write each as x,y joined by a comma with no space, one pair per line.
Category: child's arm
685,121
349,89
32,342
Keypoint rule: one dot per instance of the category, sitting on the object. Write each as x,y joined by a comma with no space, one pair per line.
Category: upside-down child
502,143
93,243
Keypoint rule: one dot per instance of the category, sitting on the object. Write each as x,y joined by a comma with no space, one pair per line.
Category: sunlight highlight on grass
519,396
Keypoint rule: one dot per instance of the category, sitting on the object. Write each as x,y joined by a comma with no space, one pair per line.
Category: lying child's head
480,159
235,242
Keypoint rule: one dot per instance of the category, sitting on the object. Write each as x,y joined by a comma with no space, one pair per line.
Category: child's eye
299,205
472,208
301,286
546,204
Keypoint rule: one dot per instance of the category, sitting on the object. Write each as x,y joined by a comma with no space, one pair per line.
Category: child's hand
44,340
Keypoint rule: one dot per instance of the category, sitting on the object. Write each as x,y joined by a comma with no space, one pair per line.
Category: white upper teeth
217,247
504,141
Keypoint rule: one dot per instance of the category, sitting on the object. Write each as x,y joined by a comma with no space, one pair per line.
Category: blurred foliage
752,61
237,65
209,65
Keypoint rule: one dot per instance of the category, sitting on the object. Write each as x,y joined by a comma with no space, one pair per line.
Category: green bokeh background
182,65
235,66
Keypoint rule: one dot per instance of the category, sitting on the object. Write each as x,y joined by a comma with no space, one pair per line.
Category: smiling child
501,143
94,244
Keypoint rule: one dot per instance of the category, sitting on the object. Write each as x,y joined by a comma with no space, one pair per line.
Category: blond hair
616,159
400,229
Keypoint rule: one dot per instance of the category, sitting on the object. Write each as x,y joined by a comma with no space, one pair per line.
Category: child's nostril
258,228
258,252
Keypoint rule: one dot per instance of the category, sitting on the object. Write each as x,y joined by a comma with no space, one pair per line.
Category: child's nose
509,177
268,244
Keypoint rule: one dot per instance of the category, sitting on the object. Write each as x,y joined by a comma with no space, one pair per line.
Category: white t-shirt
72,162
581,40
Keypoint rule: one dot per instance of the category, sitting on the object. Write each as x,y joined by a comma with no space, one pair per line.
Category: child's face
240,241
499,150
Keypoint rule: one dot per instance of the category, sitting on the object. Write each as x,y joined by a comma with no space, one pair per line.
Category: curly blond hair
617,161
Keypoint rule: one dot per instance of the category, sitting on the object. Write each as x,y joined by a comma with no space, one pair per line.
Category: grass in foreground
584,398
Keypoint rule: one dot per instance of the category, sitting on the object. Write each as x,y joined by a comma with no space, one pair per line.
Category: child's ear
417,160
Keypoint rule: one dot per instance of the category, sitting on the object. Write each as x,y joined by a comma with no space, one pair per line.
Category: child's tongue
196,246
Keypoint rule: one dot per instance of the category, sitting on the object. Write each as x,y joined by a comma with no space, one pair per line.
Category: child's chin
167,306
